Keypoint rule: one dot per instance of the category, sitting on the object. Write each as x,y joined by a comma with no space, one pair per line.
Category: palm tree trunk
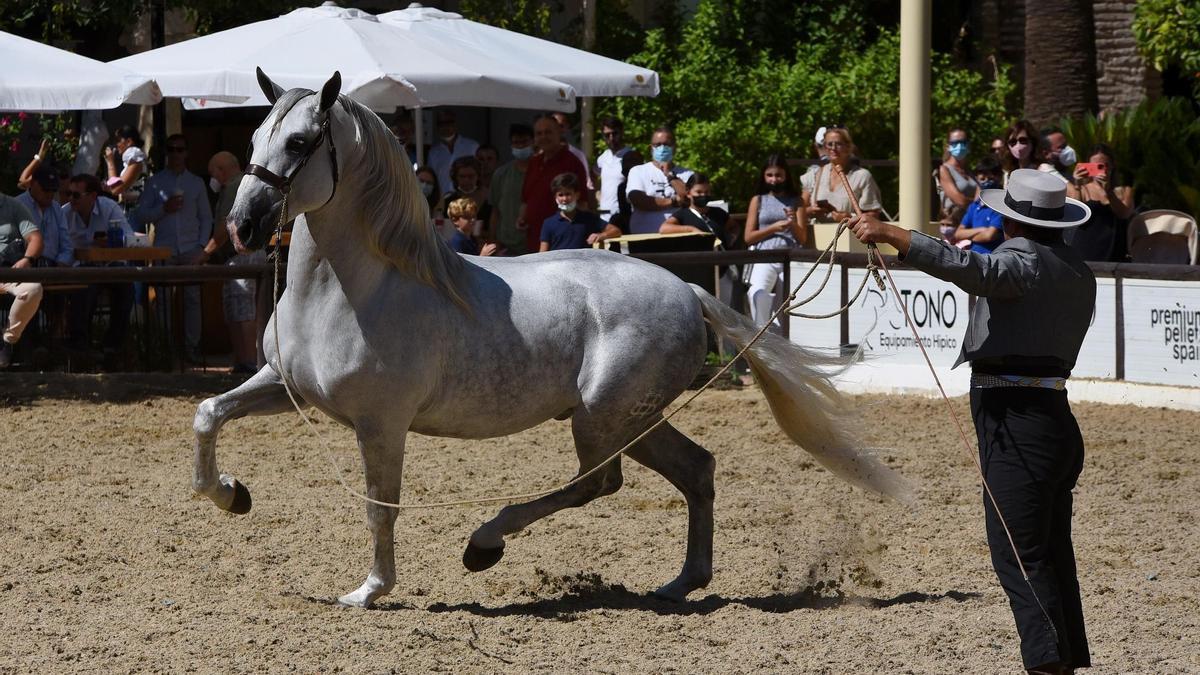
1060,60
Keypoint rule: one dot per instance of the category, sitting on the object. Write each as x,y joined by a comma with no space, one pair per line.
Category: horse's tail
805,403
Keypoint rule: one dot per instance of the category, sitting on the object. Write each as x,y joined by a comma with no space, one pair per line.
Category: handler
1036,297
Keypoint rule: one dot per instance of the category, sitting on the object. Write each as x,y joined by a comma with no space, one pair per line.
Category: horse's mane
394,211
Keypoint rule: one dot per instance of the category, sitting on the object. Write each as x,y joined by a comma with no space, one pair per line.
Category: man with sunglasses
176,203
608,166
89,214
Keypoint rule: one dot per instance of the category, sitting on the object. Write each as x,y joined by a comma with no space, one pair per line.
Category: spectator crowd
549,196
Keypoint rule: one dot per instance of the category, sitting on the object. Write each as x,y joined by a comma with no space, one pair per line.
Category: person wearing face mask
657,188
775,219
982,228
954,182
1023,144
505,191
450,145
700,218
1059,157
428,182
570,227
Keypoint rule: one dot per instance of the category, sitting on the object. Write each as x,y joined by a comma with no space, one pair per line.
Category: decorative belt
985,381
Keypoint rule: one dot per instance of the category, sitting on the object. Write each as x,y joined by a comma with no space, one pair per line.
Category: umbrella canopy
589,74
40,78
382,66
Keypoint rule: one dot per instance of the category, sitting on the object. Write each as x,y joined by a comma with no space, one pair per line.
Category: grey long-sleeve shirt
1035,301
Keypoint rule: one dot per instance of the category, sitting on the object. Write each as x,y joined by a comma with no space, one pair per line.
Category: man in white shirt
450,146
608,165
47,213
657,188
565,125
176,202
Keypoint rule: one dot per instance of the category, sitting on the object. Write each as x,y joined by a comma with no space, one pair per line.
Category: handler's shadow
616,596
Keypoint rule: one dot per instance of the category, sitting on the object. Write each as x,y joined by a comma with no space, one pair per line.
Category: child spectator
570,227
982,227
462,212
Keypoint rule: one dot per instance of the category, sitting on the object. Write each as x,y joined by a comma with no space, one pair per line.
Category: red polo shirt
535,192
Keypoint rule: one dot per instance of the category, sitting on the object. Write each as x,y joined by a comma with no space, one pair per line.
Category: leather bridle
284,185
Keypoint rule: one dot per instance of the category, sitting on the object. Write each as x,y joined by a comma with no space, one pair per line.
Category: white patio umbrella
589,74
381,67
40,78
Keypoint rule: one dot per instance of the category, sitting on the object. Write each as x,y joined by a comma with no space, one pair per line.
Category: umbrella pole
419,129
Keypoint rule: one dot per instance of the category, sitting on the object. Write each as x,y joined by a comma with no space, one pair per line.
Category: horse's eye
295,144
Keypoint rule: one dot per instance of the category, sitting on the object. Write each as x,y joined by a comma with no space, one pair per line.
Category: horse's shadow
616,597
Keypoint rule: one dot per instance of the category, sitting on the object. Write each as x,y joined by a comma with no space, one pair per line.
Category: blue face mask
522,153
662,153
989,184
959,149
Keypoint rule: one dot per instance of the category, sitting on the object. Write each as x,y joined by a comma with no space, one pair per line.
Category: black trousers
1032,452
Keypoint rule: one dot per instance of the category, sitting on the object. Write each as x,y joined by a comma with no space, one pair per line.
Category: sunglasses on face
1021,140
76,195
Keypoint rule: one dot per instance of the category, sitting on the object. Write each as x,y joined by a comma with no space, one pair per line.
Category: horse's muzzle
251,232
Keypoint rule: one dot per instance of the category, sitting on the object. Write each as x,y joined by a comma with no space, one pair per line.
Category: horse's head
293,154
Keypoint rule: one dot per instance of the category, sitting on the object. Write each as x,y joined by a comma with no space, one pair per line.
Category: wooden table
103,254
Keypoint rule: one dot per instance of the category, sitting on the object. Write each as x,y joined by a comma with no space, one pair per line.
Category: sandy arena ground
111,565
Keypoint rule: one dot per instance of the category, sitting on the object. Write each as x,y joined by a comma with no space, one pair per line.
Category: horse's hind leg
262,394
690,468
595,439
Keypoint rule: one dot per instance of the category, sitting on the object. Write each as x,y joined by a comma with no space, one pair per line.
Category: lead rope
953,414
787,305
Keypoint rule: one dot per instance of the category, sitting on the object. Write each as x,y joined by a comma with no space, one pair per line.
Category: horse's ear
271,90
329,92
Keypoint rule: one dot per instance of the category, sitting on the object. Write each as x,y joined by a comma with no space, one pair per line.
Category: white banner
825,333
1098,356
1162,331
938,309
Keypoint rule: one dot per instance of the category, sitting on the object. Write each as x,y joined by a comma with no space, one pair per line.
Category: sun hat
1037,198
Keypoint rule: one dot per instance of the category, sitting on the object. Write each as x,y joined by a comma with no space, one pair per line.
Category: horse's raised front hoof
241,499
478,559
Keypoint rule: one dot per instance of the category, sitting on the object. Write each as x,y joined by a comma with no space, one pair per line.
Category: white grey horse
386,330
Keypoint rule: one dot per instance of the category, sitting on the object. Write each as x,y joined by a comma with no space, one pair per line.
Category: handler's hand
870,230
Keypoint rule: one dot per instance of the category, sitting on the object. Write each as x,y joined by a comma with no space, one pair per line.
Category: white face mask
447,139
566,208
426,188
214,184
1066,156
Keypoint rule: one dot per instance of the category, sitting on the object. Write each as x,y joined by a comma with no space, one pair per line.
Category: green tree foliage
523,16
733,104
1168,33
1156,147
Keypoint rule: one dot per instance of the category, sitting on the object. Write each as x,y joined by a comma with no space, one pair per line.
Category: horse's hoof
478,559
241,499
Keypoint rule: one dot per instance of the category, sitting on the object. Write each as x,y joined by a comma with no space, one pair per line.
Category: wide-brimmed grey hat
1037,198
